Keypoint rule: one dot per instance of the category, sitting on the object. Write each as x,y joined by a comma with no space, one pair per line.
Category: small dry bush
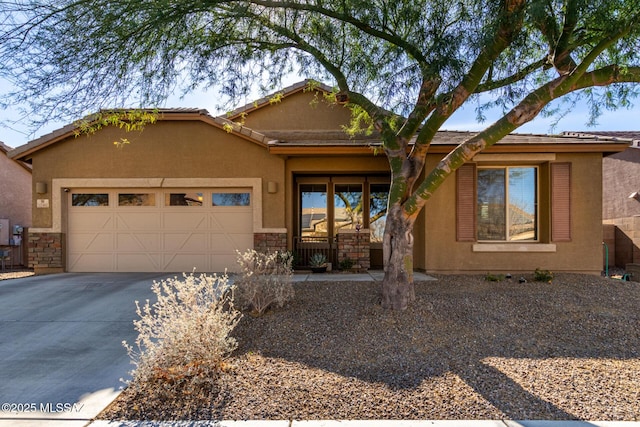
265,281
184,337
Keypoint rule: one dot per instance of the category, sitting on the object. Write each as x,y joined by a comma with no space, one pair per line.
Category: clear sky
15,132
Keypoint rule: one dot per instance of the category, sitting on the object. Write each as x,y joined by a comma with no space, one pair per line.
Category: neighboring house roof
5,149
24,152
632,136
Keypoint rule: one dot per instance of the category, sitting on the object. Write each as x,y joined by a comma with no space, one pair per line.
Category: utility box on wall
4,232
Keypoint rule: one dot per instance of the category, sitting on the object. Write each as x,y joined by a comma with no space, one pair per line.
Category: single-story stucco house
15,207
191,189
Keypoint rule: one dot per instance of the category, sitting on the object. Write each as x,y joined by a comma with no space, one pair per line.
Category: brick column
355,245
270,242
46,252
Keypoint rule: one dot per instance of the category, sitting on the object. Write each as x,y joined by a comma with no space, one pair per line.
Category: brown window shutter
561,202
466,203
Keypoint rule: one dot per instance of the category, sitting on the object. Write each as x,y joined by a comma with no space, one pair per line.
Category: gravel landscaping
15,274
465,349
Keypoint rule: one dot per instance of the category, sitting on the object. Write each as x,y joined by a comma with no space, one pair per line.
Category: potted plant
318,262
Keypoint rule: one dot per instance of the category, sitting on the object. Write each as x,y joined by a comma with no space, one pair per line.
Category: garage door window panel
231,199
184,199
136,199
90,199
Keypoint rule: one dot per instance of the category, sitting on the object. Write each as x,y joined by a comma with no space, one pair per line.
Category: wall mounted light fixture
635,195
41,187
272,187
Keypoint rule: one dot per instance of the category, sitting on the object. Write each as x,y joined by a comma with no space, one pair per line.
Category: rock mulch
15,274
465,349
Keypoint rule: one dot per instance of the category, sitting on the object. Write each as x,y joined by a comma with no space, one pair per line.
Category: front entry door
328,205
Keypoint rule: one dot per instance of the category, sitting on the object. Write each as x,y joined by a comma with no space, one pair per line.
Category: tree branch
514,78
510,22
363,26
561,55
524,112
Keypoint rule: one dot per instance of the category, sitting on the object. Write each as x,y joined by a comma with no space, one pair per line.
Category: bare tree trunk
397,286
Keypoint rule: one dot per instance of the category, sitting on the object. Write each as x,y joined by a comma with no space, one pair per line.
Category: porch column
355,245
46,252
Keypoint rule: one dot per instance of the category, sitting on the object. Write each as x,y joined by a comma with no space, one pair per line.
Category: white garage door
158,230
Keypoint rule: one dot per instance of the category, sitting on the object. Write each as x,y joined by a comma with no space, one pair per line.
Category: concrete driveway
61,353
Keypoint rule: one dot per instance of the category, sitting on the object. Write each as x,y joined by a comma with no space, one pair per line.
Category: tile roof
631,136
444,137
307,139
4,147
165,114
266,100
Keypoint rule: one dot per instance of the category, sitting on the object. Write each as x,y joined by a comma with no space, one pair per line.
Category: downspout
606,260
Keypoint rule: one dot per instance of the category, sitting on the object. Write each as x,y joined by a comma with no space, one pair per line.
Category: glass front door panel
347,204
378,199
313,215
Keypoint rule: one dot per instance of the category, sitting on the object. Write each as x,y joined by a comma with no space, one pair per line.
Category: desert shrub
494,277
542,275
346,264
265,280
185,335
318,259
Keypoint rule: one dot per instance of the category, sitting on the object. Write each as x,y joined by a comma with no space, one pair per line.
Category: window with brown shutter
561,202
466,203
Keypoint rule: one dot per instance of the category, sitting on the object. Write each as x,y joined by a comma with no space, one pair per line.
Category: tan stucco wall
192,150
582,254
15,192
338,164
167,149
299,111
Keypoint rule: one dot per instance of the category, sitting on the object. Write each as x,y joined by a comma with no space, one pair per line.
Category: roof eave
337,149
324,150
608,148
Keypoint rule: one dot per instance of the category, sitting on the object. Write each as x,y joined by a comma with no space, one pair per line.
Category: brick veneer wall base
270,242
46,252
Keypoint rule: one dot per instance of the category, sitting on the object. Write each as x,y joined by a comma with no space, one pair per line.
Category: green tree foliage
404,66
